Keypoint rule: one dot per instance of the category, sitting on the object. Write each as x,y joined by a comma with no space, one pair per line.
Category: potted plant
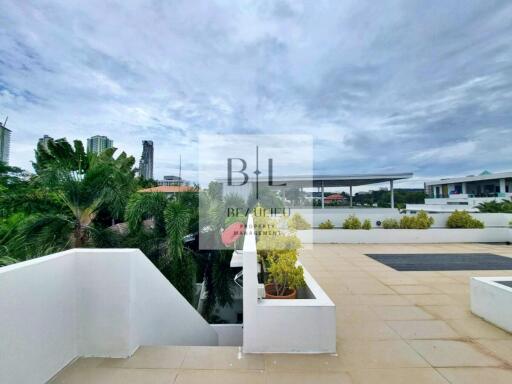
285,276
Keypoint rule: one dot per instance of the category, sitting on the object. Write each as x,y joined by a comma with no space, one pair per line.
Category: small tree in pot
285,276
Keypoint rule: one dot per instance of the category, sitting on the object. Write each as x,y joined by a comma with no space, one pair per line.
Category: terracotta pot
270,293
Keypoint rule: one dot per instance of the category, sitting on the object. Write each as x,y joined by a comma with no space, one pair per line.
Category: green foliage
390,224
326,225
420,221
298,222
366,224
462,219
352,222
382,198
284,274
505,206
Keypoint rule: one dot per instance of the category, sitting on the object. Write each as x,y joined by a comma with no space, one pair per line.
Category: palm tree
82,184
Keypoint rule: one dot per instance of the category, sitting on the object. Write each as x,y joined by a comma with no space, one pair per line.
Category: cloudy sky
384,86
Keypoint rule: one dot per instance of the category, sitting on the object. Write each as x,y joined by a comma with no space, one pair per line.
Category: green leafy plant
284,274
366,224
390,224
326,225
352,222
504,206
462,219
298,222
420,221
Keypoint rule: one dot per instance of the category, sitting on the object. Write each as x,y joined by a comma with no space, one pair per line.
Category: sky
383,86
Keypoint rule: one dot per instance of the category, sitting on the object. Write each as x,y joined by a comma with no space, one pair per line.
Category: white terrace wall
88,302
338,215
405,236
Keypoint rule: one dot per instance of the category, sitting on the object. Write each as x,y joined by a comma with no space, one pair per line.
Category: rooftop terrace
392,327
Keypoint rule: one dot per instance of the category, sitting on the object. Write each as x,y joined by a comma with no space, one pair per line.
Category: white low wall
404,236
337,216
88,302
492,301
284,326
229,334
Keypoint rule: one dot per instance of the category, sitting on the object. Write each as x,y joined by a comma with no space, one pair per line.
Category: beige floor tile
477,328
447,312
401,312
477,375
378,354
365,330
499,348
423,329
307,378
355,313
413,289
116,376
430,299
383,300
398,376
151,357
296,362
219,377
451,353
221,358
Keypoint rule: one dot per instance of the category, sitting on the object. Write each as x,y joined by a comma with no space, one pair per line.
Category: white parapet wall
88,302
284,326
492,301
405,236
338,215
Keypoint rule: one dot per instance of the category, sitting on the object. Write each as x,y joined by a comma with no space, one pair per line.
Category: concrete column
464,188
392,193
322,194
502,185
350,196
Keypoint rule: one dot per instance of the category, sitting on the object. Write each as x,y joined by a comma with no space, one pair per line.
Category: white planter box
492,301
285,326
409,236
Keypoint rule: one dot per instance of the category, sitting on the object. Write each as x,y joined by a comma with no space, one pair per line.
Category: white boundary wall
406,236
88,302
338,215
492,301
284,326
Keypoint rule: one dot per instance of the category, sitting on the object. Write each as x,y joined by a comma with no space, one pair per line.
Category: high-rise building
5,142
98,144
44,140
146,160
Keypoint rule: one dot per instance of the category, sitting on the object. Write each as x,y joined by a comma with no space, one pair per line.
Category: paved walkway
392,327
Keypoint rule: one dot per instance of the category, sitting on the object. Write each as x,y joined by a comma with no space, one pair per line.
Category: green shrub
420,221
462,219
298,222
390,224
326,225
366,225
352,222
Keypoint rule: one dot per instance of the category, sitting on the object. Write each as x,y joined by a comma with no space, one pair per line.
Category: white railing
284,326
88,302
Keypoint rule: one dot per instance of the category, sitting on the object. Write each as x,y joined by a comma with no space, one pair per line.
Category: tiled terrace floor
392,327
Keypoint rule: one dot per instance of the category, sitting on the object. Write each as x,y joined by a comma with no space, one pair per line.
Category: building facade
146,160
465,193
98,144
5,143
44,140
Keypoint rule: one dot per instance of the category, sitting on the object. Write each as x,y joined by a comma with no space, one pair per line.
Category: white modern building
98,144
465,193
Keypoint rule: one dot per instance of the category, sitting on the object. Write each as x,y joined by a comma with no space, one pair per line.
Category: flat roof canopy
340,180
468,179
